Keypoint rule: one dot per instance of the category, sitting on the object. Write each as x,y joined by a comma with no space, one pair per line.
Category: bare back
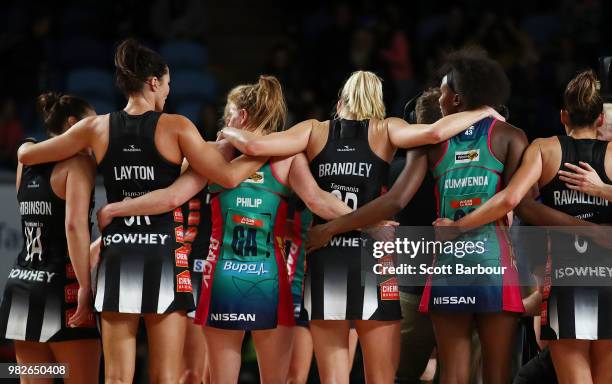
378,138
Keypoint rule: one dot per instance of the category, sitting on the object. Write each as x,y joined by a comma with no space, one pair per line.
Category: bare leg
194,355
301,356
497,338
453,337
330,342
33,352
572,361
273,349
224,359
166,336
601,361
381,359
83,357
119,346
353,341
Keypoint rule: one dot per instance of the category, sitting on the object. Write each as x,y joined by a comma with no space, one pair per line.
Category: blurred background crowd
310,46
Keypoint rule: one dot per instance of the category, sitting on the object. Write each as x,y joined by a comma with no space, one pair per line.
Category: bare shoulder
508,130
546,143
318,125
175,121
82,163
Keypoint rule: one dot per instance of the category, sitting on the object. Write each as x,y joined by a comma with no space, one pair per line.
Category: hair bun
47,101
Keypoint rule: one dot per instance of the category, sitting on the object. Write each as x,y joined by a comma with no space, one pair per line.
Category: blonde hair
362,96
264,103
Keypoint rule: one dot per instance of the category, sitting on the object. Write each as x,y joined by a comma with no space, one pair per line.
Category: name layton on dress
134,172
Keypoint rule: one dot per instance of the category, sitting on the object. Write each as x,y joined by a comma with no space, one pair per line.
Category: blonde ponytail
264,103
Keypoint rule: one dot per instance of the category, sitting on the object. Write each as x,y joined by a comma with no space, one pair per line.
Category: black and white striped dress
40,295
577,306
141,269
339,284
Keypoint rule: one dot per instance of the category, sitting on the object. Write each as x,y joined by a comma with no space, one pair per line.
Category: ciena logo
346,148
132,148
455,300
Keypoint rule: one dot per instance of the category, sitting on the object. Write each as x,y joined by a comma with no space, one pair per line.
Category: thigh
273,349
417,339
353,340
194,354
166,337
380,359
572,361
119,345
454,338
497,334
83,357
32,352
330,342
301,356
601,361
224,357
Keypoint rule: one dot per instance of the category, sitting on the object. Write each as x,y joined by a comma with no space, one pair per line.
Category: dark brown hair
57,108
582,99
134,64
427,107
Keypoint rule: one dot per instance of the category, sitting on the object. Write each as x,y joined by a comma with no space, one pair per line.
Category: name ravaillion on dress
345,169
35,208
568,197
135,238
134,172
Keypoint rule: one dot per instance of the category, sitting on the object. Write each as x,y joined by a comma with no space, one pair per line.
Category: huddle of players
154,254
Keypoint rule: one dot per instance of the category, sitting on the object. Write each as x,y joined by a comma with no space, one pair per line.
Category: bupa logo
132,148
467,156
346,148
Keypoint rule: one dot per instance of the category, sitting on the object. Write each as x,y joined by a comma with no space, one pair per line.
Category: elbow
434,135
509,202
23,156
75,226
252,148
395,205
229,181
314,205
173,202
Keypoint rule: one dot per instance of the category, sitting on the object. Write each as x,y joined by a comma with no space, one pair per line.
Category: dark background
312,47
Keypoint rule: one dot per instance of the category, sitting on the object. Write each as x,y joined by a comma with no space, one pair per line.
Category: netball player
349,156
472,80
46,307
226,288
140,149
575,319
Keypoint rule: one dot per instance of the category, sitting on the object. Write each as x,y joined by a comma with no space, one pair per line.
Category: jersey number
129,221
244,242
33,244
349,199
